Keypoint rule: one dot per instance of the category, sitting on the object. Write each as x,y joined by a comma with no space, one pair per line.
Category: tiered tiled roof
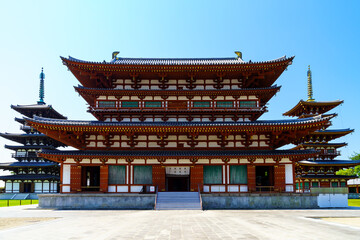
308,108
345,163
38,109
287,122
30,177
177,61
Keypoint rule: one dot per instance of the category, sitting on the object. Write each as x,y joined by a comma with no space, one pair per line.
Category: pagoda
319,171
177,124
32,174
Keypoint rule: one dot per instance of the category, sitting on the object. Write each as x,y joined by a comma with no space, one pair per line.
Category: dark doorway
90,178
177,183
264,178
27,187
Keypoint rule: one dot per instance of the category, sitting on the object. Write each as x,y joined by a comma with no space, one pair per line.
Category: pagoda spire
310,91
41,90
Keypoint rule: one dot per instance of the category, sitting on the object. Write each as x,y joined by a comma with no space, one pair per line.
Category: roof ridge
177,61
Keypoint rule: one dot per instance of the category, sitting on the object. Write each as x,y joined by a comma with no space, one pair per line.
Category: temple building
30,173
178,125
319,171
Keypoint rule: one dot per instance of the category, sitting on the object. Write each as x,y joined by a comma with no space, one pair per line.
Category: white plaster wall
206,188
136,188
122,189
217,188
243,188
233,188
289,188
66,174
332,200
289,178
111,188
65,189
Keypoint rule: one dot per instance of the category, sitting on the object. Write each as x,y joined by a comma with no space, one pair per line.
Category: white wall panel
66,174
289,174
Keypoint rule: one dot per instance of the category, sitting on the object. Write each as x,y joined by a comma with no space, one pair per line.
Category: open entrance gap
90,178
177,179
264,178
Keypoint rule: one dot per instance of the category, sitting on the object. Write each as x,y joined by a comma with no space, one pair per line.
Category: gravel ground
28,222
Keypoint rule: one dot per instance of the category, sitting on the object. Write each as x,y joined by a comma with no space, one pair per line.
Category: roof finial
239,54
114,55
41,90
310,92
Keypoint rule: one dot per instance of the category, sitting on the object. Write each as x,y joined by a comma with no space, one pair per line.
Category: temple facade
30,173
319,171
178,125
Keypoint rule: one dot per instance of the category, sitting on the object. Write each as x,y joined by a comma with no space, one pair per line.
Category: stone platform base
259,201
97,201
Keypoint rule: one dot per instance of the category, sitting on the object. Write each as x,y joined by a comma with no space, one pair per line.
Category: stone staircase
178,201
21,196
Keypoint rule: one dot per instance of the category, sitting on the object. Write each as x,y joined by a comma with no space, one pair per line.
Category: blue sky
323,34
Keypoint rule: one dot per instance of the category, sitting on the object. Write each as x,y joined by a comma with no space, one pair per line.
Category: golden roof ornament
114,55
310,92
239,54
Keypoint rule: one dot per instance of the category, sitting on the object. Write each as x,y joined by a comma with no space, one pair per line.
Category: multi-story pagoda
319,171
177,124
32,174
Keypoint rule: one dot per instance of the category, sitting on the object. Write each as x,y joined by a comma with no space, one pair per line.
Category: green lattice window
334,184
306,185
212,175
106,104
342,184
238,174
129,104
315,184
247,104
153,104
117,174
142,174
203,104
224,104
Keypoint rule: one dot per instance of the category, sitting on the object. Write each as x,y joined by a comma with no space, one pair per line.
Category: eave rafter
262,73
74,135
104,156
91,94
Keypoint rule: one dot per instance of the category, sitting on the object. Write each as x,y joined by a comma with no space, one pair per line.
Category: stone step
178,201
180,208
20,196
193,205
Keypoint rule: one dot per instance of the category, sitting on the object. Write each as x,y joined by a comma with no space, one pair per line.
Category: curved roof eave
175,61
43,120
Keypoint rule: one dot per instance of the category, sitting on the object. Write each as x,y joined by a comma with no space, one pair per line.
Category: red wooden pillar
158,177
279,177
75,178
251,178
104,178
196,178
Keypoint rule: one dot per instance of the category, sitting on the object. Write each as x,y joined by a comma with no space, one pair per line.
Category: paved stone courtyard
34,223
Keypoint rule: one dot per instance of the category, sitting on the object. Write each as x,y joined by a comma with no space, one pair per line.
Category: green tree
352,170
